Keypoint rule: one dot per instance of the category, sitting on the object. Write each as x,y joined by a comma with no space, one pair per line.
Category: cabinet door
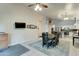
3,41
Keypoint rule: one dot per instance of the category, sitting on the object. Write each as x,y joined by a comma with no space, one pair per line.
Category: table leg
73,41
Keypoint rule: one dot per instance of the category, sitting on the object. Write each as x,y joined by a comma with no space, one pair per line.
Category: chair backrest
57,36
43,34
46,34
45,37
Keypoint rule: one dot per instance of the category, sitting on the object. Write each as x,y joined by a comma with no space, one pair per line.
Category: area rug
62,49
15,50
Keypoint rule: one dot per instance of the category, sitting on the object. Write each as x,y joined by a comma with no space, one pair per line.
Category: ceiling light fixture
66,18
38,8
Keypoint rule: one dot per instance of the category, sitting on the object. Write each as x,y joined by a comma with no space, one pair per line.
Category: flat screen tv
20,25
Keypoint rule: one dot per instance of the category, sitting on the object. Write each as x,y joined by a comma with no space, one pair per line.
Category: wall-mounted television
20,25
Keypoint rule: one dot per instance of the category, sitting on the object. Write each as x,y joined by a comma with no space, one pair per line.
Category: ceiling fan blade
44,5
31,5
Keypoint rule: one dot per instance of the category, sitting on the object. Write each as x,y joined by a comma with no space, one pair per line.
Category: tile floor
74,51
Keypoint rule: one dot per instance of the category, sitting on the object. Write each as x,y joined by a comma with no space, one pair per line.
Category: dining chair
45,40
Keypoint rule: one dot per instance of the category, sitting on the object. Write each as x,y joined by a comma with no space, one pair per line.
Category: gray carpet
15,50
62,49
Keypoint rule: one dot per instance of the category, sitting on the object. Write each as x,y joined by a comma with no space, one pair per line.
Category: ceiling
56,10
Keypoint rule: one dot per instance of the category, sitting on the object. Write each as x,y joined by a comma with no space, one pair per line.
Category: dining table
51,36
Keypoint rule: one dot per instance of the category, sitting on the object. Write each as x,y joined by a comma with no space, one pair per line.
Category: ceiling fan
38,6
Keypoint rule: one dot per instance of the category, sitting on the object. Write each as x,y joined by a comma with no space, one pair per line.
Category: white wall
11,13
45,24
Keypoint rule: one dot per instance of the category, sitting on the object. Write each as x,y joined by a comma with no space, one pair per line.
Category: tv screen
20,25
